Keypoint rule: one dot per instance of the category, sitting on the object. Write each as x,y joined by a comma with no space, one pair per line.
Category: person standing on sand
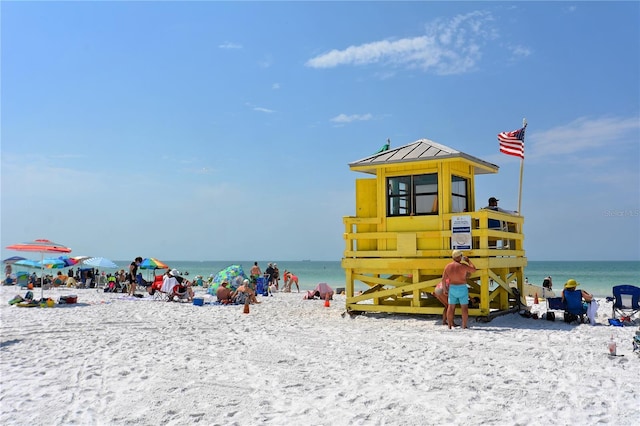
454,278
133,271
255,273
276,275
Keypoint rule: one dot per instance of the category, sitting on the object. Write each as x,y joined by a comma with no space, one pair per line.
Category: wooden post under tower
400,239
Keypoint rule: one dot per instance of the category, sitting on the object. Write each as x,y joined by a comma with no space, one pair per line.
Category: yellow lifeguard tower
420,205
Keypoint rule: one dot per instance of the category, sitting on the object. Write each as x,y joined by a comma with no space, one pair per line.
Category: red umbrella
41,246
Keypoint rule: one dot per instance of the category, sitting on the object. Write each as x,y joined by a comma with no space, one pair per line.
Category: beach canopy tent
322,290
233,274
41,246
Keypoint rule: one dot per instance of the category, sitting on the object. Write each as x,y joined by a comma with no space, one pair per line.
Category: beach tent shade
322,290
41,246
233,274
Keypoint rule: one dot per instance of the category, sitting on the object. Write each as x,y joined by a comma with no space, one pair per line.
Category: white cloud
230,45
343,118
583,134
518,52
275,86
260,109
448,47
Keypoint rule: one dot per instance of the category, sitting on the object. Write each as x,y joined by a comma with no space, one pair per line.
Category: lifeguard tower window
459,199
412,195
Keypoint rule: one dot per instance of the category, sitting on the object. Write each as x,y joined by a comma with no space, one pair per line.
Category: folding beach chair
22,279
262,286
626,301
572,307
155,289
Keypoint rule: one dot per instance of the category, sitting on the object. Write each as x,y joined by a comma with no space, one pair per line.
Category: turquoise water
594,276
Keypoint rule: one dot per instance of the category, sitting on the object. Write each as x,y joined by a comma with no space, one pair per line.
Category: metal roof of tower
420,150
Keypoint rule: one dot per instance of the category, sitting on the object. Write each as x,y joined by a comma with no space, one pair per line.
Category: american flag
512,143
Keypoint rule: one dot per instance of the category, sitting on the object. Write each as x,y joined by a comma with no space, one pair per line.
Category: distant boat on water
305,260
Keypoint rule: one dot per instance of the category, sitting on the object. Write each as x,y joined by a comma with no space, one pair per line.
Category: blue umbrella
100,262
13,259
28,263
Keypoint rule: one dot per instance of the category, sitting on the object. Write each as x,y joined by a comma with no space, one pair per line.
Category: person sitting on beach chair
141,282
59,280
244,293
111,284
575,307
155,289
182,289
224,293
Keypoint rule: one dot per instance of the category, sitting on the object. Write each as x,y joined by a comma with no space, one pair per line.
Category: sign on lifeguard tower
461,232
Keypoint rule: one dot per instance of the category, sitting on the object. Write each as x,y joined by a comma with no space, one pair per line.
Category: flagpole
524,126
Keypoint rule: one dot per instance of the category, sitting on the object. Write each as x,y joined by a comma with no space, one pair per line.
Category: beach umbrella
68,261
41,246
13,259
231,274
100,262
152,263
28,263
52,263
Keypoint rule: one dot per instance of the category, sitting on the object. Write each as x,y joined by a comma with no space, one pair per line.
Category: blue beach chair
573,308
574,305
626,300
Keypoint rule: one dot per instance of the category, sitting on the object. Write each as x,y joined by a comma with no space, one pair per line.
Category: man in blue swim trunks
455,278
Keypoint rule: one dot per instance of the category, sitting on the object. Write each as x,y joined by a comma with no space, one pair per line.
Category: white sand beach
111,361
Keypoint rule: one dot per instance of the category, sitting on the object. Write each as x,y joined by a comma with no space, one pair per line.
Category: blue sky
223,130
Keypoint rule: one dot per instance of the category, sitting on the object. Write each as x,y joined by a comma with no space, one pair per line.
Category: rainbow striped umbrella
68,261
152,263
52,263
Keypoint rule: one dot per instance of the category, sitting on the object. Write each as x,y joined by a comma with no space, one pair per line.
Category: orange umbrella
42,246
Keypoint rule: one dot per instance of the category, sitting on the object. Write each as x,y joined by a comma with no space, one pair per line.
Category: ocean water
596,277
